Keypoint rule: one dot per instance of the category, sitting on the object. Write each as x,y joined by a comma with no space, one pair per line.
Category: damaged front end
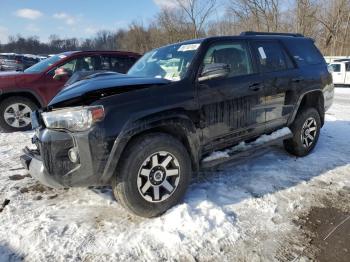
75,134
70,147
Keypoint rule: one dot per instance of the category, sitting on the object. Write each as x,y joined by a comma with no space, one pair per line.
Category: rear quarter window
304,52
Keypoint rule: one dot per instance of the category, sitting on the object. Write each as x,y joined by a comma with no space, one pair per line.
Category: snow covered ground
243,211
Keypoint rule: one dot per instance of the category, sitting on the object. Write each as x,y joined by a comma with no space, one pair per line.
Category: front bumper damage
36,168
51,163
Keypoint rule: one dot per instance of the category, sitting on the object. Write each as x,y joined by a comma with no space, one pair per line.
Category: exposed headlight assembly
74,119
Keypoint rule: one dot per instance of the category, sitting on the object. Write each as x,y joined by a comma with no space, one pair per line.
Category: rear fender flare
300,99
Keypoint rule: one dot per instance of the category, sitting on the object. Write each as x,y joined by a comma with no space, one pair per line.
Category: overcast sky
72,18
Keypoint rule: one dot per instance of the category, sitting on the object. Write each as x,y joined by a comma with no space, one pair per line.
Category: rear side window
122,64
304,52
105,63
271,56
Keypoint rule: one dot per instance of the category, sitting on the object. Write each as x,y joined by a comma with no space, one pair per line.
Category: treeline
325,21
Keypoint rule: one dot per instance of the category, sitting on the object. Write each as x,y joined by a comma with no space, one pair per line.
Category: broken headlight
75,118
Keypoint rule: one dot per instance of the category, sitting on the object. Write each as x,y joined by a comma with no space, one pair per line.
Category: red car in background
23,92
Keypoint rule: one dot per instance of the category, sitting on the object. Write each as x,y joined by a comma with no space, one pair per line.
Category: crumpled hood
106,85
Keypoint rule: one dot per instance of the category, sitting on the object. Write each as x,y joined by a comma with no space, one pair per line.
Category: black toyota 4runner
146,132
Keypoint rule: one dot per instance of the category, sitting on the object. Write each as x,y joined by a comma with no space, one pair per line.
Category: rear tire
152,175
306,130
15,114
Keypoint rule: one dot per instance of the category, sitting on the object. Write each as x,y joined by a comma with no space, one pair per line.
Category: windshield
169,62
41,66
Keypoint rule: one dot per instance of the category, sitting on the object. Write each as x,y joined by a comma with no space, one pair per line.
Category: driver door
231,107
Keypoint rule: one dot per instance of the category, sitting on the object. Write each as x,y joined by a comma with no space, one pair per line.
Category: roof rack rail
268,33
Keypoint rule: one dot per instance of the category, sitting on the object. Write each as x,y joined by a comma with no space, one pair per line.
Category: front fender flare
141,126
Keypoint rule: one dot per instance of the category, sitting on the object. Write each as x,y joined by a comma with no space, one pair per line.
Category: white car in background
340,70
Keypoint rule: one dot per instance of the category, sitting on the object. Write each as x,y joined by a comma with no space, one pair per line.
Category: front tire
306,130
153,175
15,114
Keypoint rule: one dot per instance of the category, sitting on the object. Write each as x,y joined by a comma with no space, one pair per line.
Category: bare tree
198,12
173,25
333,20
305,17
257,15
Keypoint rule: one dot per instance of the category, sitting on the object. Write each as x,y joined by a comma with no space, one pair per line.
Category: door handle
256,86
297,79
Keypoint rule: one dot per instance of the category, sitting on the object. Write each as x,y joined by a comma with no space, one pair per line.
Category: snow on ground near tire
240,211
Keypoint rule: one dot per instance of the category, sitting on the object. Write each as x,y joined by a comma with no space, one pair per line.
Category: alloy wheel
309,132
17,115
158,177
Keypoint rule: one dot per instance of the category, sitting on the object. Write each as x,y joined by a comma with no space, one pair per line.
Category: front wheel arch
180,127
179,132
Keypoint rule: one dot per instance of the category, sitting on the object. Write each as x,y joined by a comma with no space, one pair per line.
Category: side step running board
243,150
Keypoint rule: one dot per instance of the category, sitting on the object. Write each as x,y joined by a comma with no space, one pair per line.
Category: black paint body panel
207,115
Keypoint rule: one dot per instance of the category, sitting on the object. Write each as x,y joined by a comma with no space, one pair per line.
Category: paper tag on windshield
262,53
189,47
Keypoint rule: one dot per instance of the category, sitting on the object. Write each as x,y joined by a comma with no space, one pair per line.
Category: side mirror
215,70
60,73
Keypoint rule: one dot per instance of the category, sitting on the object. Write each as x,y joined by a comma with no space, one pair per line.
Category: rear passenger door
281,80
231,107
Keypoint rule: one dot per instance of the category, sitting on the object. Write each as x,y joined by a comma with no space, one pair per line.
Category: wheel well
314,99
177,132
21,94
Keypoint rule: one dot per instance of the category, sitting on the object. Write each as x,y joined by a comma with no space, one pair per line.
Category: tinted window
121,64
116,63
335,67
347,67
271,57
304,52
106,63
235,54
